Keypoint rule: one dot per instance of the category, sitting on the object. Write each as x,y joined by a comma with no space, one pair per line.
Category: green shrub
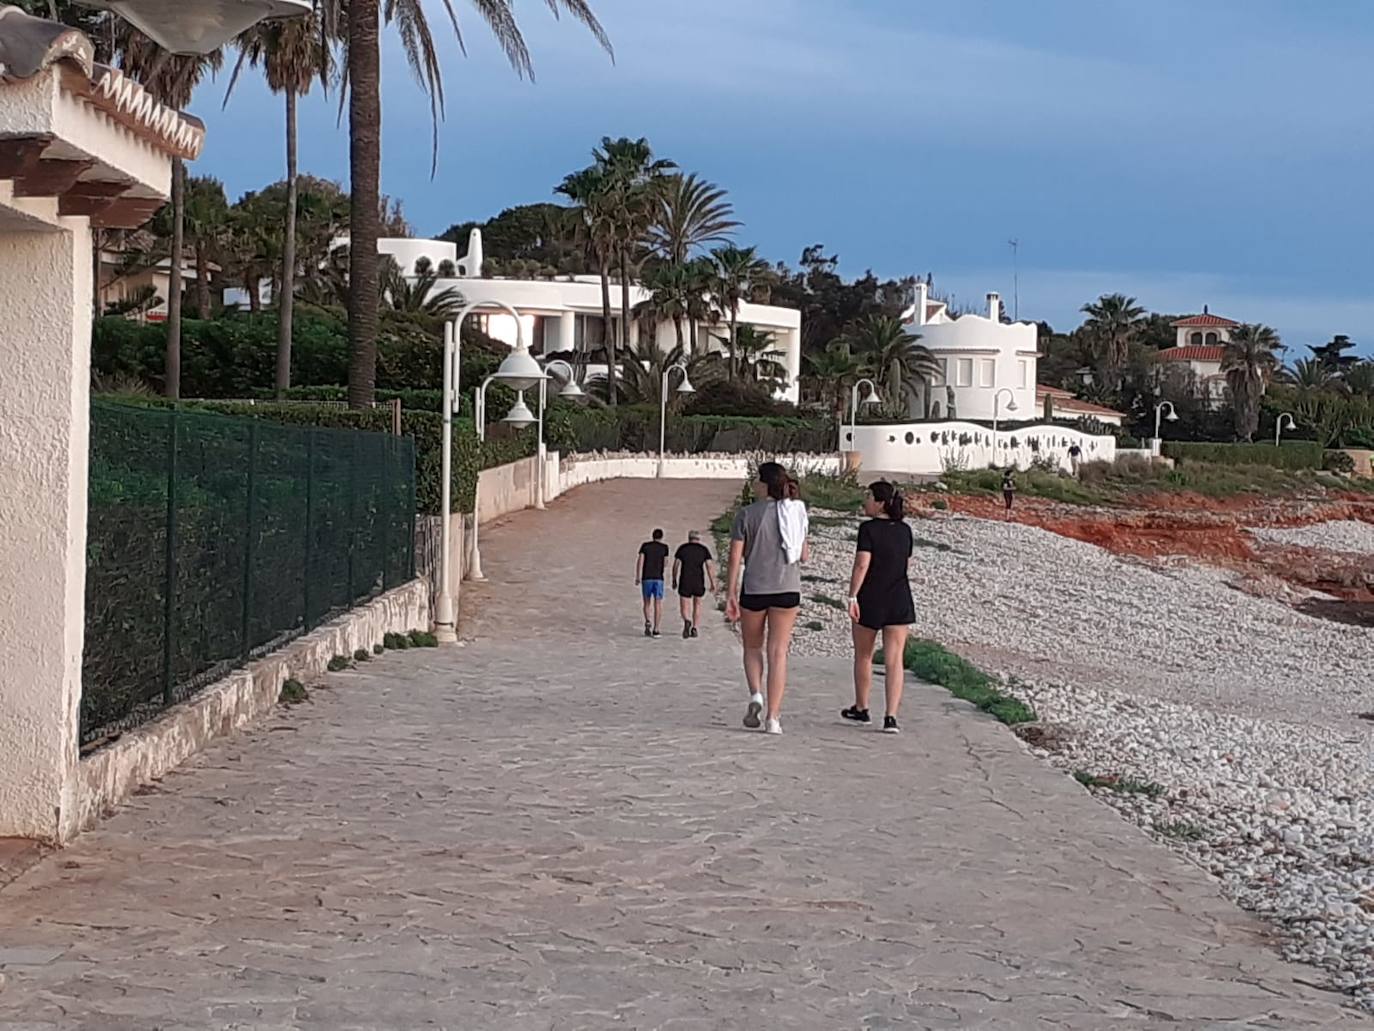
379,649
338,664
1296,454
396,642
940,505
362,655
293,692
422,639
1338,462
937,665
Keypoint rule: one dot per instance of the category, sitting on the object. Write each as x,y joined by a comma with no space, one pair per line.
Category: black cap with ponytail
887,495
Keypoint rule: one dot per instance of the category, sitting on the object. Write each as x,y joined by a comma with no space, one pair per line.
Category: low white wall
934,447
108,776
593,468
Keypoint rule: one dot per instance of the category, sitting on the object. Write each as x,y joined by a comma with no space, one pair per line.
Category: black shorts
875,615
764,602
691,590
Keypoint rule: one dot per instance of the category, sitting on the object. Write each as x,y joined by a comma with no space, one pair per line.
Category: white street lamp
1172,417
197,26
684,388
571,391
997,411
1278,429
445,622
871,399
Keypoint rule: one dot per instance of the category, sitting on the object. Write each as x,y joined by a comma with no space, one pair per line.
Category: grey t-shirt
766,569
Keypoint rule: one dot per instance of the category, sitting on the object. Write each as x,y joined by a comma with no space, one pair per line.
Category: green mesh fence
214,539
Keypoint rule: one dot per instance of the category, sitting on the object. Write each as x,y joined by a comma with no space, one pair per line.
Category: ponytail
781,486
887,495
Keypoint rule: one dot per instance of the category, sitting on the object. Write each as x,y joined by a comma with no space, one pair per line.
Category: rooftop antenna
1015,279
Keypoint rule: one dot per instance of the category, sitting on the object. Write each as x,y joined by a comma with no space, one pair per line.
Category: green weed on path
936,664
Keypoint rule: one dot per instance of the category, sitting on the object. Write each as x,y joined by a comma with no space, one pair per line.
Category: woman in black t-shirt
880,600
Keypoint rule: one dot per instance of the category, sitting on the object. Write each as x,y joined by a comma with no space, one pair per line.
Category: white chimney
922,291
470,264
995,307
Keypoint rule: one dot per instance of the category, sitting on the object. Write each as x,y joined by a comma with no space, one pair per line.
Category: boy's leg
658,609
696,612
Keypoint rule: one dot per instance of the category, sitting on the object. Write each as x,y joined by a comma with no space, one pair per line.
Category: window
963,372
987,372
1195,339
1211,339
1023,373
944,370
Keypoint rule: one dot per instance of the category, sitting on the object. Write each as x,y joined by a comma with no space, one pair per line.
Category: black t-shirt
693,557
655,555
890,544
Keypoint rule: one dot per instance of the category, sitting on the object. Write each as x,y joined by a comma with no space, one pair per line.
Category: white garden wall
930,448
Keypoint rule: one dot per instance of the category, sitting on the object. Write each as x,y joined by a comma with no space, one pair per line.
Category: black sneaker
890,725
686,630
648,629
856,714
694,632
655,633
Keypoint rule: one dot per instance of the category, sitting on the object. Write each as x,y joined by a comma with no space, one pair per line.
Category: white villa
565,314
982,358
1198,353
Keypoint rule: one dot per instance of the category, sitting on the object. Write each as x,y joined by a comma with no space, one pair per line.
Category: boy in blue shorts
653,557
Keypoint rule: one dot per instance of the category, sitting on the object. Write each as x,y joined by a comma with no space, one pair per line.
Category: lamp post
684,388
571,391
871,399
197,26
1278,429
1172,417
997,412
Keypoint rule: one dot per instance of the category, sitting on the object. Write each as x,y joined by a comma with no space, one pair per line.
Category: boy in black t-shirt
653,556
692,569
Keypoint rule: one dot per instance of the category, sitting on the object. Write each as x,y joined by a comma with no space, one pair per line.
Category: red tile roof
1193,353
1206,320
1065,401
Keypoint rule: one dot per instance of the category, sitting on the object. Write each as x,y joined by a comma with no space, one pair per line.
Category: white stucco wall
930,448
407,252
45,338
979,340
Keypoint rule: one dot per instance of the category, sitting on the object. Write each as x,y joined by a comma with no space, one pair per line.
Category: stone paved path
561,825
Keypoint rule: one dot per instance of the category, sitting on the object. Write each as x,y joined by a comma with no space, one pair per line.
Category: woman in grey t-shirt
766,600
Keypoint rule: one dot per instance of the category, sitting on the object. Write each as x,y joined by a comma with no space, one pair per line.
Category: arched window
1211,339
1195,339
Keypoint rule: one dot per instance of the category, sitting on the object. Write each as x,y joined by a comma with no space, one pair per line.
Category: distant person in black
1008,490
880,600
692,569
1075,457
653,556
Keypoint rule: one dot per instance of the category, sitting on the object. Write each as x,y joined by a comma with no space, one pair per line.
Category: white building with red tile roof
1052,402
1198,354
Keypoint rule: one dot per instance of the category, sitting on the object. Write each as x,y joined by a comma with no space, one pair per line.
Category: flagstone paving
562,825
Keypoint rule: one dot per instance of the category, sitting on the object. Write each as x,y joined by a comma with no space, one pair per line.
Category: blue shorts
652,589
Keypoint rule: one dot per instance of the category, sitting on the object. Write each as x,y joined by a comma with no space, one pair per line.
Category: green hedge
470,456
635,428
1297,454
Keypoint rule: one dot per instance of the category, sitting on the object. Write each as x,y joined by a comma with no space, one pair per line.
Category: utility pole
1015,279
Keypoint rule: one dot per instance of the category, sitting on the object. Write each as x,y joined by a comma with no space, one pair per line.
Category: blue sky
1187,152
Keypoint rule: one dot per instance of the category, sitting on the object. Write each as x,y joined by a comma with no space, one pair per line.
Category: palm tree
688,214
293,53
588,191
416,293
736,271
669,287
890,354
759,356
362,74
834,371
1359,378
1249,362
631,177
700,274
172,79
1310,374
1113,322
206,218
641,378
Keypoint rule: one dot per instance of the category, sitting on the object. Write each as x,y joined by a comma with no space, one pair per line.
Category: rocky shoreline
1233,728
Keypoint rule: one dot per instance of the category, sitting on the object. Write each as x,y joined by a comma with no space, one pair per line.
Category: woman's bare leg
780,624
894,653
864,640
751,625
696,612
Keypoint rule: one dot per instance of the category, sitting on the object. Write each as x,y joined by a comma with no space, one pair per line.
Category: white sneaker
752,715
774,727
